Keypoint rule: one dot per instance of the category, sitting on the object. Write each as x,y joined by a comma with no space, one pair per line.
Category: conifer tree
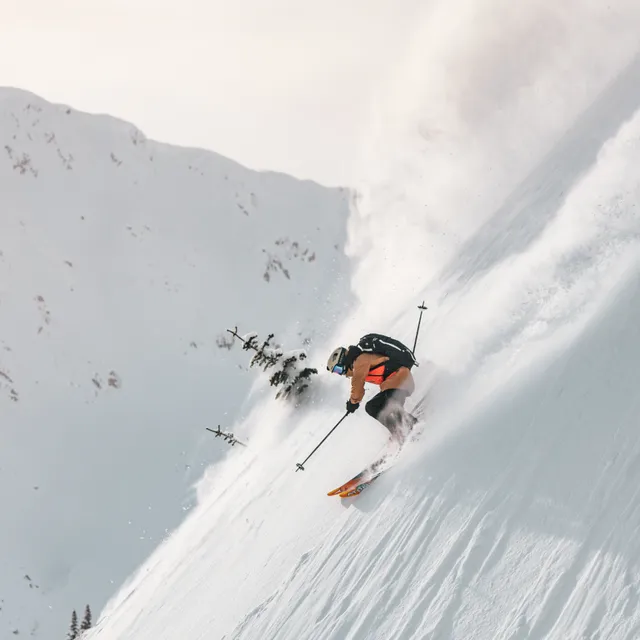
86,621
73,628
288,373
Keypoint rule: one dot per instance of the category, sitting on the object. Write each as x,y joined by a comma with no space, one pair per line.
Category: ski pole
300,465
422,308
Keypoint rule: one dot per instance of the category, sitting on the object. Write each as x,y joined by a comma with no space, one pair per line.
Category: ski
359,488
349,484
362,480
365,477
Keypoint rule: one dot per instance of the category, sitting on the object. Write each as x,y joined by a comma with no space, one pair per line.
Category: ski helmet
335,363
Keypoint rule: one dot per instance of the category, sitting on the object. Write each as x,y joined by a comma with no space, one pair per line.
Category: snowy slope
520,523
122,262
511,206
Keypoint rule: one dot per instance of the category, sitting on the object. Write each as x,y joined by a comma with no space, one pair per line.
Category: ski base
362,480
349,493
350,484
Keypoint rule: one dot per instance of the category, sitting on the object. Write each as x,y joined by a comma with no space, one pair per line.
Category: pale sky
285,85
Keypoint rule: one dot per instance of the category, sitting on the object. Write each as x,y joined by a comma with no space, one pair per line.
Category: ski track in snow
416,563
419,552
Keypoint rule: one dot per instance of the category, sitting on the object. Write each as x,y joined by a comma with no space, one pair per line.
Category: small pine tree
288,372
266,356
86,621
73,628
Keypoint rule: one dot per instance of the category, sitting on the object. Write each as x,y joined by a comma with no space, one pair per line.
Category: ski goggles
338,368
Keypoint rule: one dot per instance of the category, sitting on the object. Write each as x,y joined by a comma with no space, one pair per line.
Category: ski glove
352,406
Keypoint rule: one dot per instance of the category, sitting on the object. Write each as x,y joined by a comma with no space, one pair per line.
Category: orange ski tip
347,485
342,489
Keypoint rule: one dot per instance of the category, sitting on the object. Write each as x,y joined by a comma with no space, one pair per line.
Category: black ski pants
387,407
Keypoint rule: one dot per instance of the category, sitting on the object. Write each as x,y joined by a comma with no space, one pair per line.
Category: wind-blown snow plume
481,95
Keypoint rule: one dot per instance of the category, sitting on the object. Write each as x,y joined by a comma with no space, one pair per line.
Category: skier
385,362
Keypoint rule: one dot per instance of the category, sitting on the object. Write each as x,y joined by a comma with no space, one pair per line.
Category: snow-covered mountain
503,189
122,262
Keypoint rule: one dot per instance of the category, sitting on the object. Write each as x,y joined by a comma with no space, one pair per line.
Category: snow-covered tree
285,368
291,375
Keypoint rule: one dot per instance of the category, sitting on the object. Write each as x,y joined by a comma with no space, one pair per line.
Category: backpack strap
391,366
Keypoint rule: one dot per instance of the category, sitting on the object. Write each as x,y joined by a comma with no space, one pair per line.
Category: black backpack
397,353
